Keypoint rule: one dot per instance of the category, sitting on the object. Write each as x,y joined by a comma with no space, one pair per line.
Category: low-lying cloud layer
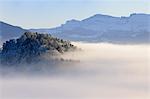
104,71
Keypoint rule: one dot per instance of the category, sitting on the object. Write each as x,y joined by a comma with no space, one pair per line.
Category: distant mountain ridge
8,31
102,28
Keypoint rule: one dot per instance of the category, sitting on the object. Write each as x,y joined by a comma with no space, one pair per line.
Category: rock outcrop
31,47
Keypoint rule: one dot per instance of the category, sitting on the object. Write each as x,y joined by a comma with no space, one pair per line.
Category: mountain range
98,28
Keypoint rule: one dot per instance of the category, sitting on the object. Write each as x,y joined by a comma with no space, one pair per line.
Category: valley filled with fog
102,71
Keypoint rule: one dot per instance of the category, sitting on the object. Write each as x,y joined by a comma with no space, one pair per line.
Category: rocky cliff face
32,47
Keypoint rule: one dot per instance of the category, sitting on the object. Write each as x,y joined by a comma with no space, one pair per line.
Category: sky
52,13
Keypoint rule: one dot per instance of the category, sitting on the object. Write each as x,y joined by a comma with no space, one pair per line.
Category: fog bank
105,71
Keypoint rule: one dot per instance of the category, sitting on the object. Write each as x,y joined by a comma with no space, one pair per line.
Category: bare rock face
31,47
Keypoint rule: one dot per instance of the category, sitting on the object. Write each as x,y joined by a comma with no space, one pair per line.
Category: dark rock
31,47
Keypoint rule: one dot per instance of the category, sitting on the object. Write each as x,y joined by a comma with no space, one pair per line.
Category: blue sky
51,13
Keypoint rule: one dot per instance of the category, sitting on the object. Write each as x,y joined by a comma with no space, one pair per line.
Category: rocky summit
31,47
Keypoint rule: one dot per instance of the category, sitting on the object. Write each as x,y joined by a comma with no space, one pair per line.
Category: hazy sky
51,13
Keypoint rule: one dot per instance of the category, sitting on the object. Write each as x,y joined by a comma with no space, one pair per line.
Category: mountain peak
72,21
101,15
139,14
30,47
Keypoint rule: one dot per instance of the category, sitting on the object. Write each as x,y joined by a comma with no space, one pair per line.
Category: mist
100,71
